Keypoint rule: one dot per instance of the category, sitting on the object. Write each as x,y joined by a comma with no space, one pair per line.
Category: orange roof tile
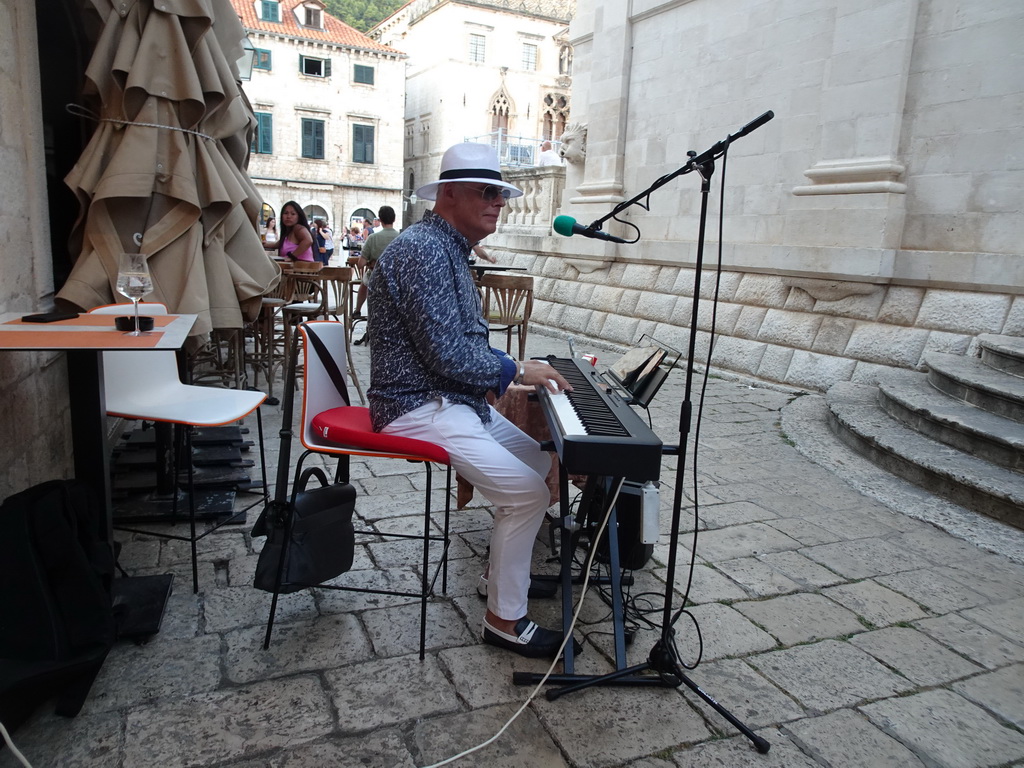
335,31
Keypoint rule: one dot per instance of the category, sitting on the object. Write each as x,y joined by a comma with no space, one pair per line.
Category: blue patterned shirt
428,338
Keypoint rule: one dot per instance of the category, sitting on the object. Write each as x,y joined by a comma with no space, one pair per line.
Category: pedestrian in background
296,242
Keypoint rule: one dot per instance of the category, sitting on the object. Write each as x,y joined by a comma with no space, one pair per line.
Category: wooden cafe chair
267,343
337,283
358,281
508,304
308,299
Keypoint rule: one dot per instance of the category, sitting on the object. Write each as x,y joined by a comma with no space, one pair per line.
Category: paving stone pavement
848,618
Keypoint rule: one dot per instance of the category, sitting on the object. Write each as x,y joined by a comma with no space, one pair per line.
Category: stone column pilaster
862,114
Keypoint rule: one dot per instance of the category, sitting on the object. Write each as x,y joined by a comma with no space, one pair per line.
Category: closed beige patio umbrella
168,161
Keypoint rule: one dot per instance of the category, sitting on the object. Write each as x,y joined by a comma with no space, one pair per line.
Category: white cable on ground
561,648
14,749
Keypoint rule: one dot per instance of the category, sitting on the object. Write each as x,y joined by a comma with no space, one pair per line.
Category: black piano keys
586,401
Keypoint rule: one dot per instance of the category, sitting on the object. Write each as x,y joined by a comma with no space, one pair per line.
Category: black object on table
481,269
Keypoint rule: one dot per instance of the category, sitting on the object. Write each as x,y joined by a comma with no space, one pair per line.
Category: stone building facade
875,218
477,68
329,101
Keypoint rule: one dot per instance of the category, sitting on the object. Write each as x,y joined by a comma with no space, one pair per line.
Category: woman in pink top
296,241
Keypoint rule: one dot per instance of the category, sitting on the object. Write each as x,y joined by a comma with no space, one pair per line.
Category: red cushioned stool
332,426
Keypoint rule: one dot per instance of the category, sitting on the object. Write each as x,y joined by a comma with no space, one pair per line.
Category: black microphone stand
662,658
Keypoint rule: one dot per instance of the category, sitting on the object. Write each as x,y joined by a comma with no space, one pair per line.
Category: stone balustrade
542,194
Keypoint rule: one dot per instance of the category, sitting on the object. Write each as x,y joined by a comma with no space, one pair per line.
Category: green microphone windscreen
563,225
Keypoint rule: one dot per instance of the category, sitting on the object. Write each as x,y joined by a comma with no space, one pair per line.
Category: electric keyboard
594,431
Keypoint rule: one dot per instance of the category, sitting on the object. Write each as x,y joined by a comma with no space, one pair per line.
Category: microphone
754,124
567,226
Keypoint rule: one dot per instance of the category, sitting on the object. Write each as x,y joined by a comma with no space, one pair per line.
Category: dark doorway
64,52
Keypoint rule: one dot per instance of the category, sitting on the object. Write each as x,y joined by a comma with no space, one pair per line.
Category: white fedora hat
468,163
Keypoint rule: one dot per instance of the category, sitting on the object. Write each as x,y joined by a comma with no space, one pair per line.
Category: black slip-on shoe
530,640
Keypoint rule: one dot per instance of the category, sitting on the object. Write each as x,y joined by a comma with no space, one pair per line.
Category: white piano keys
566,414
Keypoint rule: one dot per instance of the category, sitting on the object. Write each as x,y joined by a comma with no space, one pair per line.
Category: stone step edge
1004,353
857,419
908,397
949,372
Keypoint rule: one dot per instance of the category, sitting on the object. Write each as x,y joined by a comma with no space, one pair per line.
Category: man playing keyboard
431,367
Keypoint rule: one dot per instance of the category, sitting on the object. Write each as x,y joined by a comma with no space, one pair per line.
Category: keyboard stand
669,676
568,679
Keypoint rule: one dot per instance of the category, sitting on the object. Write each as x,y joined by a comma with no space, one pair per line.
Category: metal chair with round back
330,425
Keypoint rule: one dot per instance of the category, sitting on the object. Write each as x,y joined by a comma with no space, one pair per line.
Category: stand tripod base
633,676
662,666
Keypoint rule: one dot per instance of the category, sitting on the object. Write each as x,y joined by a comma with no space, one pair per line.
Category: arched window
268,221
556,115
501,111
314,212
360,215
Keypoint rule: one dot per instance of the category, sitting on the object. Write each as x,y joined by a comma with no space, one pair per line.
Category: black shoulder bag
320,538
310,537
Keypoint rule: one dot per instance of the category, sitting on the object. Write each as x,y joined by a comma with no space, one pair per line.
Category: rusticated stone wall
797,331
801,331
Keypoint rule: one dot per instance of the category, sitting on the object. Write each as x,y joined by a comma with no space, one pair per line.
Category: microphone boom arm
694,163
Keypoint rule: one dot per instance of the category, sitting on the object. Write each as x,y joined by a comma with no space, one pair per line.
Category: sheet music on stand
641,371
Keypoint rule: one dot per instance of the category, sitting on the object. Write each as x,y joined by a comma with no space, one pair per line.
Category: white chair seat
174,402
146,385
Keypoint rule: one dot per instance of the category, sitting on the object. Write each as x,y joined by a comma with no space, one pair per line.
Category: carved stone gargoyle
574,143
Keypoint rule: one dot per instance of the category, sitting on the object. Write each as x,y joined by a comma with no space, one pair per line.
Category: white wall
449,97
964,140
891,156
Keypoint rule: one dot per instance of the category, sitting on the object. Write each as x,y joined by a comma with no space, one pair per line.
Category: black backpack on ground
56,620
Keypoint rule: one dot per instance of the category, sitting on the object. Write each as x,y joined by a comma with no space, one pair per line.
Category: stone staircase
956,430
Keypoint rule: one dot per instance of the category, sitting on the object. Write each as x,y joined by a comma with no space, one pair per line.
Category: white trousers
509,469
